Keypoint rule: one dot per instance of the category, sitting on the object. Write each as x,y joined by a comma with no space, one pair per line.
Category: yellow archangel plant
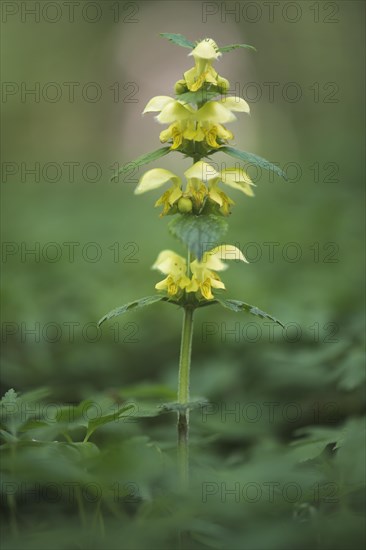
199,207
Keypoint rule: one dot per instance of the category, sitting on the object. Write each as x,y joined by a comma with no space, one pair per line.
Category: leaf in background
9,411
95,423
238,306
198,233
350,372
315,439
251,158
10,396
350,458
231,47
74,415
140,161
16,410
137,304
8,437
178,39
33,425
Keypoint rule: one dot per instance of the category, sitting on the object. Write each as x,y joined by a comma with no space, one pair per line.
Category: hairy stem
183,395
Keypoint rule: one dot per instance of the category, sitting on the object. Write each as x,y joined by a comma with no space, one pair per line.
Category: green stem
11,497
183,395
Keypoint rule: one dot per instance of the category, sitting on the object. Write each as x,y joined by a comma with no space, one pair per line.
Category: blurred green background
313,128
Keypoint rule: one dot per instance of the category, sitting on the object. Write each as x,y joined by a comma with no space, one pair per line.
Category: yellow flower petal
202,171
184,282
193,286
174,111
172,286
175,194
211,135
205,288
162,285
190,131
214,111
223,133
168,262
235,104
224,252
155,178
206,49
215,195
157,103
210,261
237,178
217,283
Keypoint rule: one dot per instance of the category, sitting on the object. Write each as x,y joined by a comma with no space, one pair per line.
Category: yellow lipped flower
175,267
234,177
206,50
204,124
204,54
155,178
204,276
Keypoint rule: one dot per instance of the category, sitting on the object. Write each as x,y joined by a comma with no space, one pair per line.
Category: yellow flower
236,178
175,267
155,178
204,276
204,54
204,124
202,181
206,50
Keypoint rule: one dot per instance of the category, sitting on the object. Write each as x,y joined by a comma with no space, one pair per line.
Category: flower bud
185,205
180,87
223,84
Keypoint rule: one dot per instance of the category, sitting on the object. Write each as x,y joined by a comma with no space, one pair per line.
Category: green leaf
15,410
99,421
10,397
313,441
197,97
178,39
8,437
140,161
252,159
231,47
137,304
198,233
70,414
238,306
350,371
